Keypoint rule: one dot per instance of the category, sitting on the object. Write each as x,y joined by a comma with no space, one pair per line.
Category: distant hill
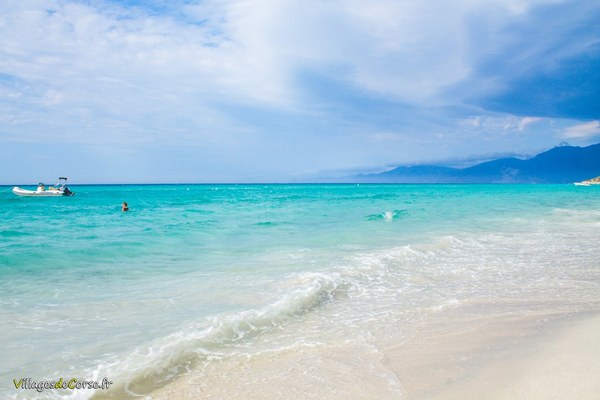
564,164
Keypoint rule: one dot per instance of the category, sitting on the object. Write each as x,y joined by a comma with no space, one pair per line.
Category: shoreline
504,358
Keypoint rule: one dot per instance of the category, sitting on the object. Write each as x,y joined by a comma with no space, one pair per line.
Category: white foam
213,338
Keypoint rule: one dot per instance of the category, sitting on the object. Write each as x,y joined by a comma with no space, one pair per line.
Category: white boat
60,189
582,184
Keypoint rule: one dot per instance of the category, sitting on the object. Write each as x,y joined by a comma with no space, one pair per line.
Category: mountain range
563,164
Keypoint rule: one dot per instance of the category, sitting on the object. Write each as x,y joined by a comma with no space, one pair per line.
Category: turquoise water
194,272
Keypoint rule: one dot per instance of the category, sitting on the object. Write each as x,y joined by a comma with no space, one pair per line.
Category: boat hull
37,193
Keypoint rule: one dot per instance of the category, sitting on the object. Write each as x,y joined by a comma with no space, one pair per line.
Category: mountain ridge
562,164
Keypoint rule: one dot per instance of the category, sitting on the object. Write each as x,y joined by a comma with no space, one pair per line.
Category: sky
107,91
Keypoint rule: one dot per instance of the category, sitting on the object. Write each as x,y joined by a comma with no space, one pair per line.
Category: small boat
582,184
60,189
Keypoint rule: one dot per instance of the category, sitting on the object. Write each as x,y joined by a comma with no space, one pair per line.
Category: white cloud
409,50
527,121
249,50
582,131
502,123
471,122
413,51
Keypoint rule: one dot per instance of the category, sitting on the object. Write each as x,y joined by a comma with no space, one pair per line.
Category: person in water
124,207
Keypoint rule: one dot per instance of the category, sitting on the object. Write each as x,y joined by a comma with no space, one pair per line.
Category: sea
195,276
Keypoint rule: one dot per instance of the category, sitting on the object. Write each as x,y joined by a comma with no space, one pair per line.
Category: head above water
124,206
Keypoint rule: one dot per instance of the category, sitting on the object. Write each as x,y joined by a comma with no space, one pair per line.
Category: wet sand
507,357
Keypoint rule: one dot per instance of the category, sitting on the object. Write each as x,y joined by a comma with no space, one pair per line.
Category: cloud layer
268,89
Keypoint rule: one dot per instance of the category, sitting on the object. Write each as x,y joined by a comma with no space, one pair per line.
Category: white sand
561,363
493,359
300,374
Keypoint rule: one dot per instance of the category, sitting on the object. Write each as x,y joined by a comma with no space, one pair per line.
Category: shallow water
196,275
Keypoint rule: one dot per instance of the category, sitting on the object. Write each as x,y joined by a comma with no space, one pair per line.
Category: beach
559,364
554,361
303,291
299,200
500,361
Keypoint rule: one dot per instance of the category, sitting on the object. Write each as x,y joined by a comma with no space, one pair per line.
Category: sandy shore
492,359
559,363
556,361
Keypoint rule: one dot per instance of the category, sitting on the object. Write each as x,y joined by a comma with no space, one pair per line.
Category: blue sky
280,90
